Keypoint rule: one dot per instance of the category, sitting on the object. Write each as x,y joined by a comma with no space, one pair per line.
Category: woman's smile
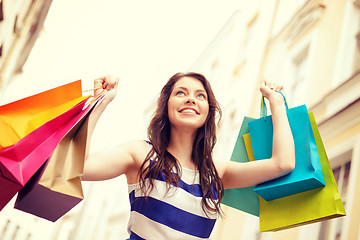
189,111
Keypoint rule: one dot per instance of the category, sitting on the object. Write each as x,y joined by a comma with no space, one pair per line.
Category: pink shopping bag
19,162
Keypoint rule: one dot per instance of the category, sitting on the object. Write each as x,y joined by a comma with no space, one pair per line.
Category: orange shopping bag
19,118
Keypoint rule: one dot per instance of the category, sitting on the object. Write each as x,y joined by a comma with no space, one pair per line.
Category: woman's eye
180,93
201,96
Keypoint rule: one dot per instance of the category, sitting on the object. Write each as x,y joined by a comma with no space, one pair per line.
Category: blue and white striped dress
174,215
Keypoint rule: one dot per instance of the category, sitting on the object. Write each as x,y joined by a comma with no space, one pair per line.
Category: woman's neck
181,146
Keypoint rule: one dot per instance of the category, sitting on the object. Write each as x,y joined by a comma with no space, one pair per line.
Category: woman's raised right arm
110,84
117,160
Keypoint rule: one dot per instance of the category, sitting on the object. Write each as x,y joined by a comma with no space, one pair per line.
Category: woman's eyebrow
201,90
182,88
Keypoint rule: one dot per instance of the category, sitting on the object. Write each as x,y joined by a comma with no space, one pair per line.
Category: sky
143,42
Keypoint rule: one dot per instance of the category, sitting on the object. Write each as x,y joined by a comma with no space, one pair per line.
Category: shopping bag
307,174
19,162
248,146
307,207
19,118
56,188
244,199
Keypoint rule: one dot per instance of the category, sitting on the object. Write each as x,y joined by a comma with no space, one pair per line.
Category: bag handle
93,99
263,108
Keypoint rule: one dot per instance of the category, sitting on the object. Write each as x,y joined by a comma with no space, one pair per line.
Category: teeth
188,111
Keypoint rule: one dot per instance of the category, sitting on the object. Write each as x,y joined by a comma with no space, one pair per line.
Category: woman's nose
190,100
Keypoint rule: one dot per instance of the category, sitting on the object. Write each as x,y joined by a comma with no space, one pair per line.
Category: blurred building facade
313,48
20,26
104,214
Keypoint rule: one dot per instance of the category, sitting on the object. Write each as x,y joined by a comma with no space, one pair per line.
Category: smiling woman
175,187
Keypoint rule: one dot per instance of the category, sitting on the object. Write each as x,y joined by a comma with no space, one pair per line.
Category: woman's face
188,104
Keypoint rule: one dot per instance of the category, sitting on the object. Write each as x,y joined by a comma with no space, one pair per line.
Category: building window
4,230
28,236
348,57
245,46
298,72
286,10
357,54
250,34
15,233
1,11
15,28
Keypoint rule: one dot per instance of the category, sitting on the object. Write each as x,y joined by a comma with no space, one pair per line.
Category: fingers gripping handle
263,108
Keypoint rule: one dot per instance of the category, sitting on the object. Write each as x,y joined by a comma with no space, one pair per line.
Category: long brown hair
165,163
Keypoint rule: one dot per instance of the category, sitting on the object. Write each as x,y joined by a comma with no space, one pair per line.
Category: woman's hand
270,89
108,82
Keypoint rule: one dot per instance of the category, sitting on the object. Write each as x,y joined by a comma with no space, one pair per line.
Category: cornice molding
347,88
303,20
340,108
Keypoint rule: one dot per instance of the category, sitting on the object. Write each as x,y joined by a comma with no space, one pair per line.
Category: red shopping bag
19,162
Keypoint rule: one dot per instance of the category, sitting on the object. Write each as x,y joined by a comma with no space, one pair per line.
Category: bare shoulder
138,149
125,158
221,167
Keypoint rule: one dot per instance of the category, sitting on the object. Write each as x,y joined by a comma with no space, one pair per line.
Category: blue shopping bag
307,174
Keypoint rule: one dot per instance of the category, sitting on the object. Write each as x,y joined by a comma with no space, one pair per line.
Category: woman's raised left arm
237,175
